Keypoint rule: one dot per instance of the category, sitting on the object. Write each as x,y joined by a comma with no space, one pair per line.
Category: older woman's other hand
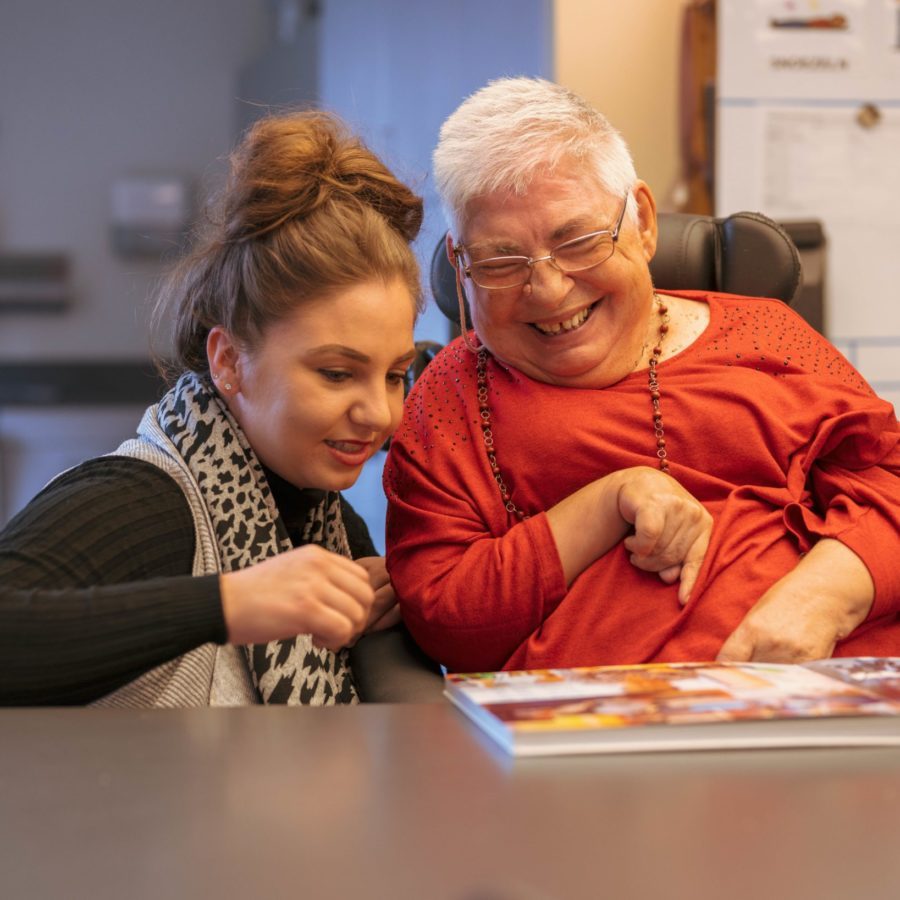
671,528
308,590
805,613
384,612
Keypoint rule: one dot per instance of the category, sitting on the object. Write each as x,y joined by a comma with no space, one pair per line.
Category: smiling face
584,329
324,388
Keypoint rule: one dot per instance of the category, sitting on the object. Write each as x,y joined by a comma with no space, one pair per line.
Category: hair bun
365,177
290,166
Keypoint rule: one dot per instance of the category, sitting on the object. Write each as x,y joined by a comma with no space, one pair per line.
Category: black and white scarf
249,529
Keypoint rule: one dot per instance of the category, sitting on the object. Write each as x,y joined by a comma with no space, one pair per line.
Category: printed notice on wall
832,163
801,48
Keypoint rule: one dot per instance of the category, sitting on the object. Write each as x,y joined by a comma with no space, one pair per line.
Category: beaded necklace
484,408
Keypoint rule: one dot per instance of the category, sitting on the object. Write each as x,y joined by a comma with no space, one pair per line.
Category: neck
651,336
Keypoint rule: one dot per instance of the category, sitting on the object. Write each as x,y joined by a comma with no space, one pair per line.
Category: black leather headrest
744,253
443,282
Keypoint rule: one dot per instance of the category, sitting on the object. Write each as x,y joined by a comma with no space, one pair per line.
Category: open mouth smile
349,446
564,326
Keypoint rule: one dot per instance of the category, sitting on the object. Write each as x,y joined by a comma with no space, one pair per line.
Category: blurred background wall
92,92
625,59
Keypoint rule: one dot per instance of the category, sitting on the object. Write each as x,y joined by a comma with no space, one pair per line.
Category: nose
373,409
548,283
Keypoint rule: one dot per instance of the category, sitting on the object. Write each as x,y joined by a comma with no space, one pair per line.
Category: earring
227,385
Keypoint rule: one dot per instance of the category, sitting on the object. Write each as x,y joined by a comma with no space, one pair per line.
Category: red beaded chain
487,433
653,385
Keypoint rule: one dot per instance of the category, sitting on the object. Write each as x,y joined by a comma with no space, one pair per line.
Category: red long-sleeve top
766,424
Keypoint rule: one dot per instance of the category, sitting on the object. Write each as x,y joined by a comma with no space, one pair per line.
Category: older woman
578,375
212,560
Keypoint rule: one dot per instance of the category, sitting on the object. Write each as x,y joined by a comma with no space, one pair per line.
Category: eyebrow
496,247
577,226
355,355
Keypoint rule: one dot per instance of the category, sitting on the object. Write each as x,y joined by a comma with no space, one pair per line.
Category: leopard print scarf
249,529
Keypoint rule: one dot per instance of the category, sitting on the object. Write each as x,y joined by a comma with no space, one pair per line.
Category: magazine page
880,674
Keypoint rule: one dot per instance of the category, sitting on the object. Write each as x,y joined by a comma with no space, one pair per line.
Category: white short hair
506,132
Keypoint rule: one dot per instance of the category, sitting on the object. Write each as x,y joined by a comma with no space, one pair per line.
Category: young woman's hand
384,612
308,590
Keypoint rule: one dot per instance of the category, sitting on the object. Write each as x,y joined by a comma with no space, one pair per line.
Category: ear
648,228
223,356
449,245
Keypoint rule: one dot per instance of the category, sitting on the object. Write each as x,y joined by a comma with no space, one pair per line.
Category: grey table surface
410,801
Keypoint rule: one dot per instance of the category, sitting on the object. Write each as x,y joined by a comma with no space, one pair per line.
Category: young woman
211,559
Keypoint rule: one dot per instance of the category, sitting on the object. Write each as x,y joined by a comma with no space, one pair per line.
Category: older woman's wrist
836,575
587,524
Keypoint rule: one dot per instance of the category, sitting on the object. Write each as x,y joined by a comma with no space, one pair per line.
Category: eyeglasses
580,253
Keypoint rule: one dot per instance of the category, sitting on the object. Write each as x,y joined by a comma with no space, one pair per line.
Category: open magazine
685,706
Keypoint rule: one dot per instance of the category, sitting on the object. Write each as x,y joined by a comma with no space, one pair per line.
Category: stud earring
227,385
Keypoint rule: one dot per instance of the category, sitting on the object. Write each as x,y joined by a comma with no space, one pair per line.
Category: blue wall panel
395,70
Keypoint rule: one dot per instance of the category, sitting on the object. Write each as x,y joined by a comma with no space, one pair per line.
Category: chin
572,366
322,481
340,482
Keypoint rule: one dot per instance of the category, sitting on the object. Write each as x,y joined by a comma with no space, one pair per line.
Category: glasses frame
532,261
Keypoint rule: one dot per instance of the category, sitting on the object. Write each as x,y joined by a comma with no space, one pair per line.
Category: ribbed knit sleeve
96,585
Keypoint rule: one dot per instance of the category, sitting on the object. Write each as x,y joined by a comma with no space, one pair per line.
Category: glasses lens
584,252
500,272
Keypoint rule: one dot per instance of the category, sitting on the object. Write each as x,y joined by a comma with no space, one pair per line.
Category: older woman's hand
671,528
804,614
